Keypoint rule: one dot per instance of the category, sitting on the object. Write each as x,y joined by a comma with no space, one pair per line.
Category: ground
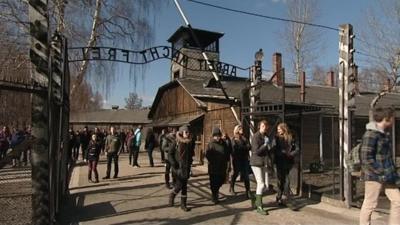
139,196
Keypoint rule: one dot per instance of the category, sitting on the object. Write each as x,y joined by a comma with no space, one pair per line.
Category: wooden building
103,119
193,97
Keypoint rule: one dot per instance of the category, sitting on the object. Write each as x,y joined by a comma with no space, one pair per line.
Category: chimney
277,68
303,87
388,85
114,107
330,79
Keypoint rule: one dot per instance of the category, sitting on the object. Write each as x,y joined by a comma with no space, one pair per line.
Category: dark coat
261,154
93,151
217,154
285,152
169,142
240,148
150,141
181,157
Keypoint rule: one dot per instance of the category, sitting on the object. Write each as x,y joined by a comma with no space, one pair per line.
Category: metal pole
283,94
39,55
210,66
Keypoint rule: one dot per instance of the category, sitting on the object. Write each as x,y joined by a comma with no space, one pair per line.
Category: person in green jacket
112,151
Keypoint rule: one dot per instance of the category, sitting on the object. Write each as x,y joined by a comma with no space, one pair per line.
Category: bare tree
89,23
302,41
380,41
133,101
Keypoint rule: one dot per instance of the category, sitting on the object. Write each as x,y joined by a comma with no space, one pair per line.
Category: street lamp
259,56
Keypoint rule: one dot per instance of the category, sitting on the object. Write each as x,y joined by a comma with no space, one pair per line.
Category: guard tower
183,42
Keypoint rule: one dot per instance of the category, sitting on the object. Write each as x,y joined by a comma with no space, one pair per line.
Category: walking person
378,169
92,157
84,140
77,143
112,151
130,143
160,144
169,144
5,139
285,151
181,159
217,154
240,160
261,163
136,148
149,145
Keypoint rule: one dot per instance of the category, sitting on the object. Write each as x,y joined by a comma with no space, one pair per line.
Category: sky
243,36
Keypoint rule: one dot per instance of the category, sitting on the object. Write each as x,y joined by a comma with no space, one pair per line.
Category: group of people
110,143
261,156
11,138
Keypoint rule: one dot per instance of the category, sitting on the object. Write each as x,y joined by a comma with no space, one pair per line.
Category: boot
171,199
90,177
214,197
252,199
167,184
259,205
232,188
96,178
183,204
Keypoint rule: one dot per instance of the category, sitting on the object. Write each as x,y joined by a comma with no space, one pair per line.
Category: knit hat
216,132
183,128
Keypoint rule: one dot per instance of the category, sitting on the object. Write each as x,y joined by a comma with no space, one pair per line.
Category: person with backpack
169,144
92,156
181,160
378,169
285,151
217,154
112,151
240,159
136,147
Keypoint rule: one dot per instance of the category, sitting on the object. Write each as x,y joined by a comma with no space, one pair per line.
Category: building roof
203,87
123,116
324,96
178,121
204,36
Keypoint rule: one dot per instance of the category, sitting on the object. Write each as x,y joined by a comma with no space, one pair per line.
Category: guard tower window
176,74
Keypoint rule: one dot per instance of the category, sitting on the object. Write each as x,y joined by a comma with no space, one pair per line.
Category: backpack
132,141
353,160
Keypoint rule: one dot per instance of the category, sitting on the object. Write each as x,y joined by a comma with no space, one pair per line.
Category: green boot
259,205
252,199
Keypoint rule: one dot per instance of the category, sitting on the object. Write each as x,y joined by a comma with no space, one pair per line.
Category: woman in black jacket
149,145
92,156
285,151
240,159
217,154
261,162
181,159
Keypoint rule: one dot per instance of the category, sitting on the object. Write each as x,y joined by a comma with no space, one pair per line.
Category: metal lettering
143,53
111,54
95,51
126,54
154,52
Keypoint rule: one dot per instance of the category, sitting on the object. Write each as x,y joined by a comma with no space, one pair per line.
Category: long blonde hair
287,134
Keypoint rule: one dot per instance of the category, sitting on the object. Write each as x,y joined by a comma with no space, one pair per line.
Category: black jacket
181,157
217,154
285,152
261,154
240,148
93,151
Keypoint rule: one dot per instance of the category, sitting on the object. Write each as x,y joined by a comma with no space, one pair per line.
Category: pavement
139,196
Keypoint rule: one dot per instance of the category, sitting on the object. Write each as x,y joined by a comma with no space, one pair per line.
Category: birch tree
301,41
380,41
